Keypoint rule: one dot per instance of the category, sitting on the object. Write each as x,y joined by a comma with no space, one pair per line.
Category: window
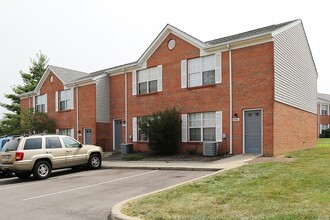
33,144
65,101
324,109
201,71
323,128
53,142
147,80
202,126
70,143
67,132
141,135
41,103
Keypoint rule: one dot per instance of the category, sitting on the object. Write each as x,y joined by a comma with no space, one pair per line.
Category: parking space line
89,186
67,176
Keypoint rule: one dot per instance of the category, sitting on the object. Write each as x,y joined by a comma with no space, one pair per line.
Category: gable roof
268,30
67,75
248,34
323,97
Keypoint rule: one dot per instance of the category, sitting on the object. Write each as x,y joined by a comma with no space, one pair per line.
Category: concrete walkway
219,166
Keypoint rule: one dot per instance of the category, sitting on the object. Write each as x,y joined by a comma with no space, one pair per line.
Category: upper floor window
324,110
202,126
65,101
201,71
147,80
41,103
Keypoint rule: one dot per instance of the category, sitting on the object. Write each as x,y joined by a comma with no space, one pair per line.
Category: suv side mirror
80,145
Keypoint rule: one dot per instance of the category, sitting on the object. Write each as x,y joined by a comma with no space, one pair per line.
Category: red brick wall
67,119
253,88
294,129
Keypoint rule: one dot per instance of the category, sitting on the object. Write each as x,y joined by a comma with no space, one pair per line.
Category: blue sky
89,35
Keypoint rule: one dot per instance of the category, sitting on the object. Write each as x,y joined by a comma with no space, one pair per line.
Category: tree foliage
163,130
36,122
11,122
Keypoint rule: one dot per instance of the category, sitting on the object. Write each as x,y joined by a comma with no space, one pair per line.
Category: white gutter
126,107
77,111
230,102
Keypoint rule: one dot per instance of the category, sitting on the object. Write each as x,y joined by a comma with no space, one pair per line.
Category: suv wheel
42,170
94,161
24,175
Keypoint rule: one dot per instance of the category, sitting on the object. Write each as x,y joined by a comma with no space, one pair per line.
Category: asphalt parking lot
81,195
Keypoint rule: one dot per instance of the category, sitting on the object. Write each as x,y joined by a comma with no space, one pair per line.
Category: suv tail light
19,156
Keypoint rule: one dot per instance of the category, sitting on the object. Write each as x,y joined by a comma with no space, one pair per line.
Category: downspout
126,107
230,103
77,111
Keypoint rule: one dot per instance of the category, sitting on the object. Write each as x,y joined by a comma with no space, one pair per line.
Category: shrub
163,130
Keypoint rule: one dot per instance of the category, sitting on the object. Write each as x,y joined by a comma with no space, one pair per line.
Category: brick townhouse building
323,112
253,92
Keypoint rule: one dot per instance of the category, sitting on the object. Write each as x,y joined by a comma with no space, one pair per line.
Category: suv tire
42,170
94,161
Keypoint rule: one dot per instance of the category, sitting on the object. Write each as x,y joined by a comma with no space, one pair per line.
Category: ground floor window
202,126
324,127
141,135
66,131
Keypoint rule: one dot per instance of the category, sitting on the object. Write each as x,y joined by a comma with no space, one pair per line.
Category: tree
36,122
11,121
163,130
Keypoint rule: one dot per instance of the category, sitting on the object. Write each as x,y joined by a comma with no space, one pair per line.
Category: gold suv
40,154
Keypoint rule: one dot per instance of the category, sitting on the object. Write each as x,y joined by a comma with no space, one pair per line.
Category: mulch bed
173,158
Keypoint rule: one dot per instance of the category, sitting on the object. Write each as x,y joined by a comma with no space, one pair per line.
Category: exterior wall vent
210,148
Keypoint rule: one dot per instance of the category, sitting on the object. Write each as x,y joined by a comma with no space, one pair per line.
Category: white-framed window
65,99
141,135
41,103
66,131
201,71
202,126
324,127
147,80
324,109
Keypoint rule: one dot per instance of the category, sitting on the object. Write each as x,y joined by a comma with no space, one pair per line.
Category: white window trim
59,100
202,127
135,80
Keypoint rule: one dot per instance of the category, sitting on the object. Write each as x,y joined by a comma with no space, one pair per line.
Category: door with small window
117,134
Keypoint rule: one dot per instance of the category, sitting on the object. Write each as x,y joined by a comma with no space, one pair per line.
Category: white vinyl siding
103,100
295,72
41,103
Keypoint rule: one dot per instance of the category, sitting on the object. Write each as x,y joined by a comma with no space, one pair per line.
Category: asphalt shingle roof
67,75
251,33
323,97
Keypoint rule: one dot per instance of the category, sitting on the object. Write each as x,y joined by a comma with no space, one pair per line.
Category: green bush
163,130
133,157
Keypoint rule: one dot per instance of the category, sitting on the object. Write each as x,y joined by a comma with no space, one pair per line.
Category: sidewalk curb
163,168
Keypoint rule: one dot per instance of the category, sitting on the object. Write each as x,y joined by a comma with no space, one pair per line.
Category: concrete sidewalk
223,164
218,166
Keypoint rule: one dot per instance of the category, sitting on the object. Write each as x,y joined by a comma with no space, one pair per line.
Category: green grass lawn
295,190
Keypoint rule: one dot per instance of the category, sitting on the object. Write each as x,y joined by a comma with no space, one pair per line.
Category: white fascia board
99,77
80,83
27,95
286,27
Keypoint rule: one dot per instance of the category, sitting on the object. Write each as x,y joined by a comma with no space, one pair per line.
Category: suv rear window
11,145
33,144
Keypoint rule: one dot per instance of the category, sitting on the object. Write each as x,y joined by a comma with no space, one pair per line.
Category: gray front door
252,131
88,136
118,134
